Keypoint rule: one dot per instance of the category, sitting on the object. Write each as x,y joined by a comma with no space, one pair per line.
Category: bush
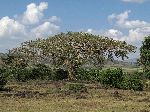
32,73
3,78
41,71
147,75
22,74
60,74
3,81
132,82
83,74
88,75
77,88
112,77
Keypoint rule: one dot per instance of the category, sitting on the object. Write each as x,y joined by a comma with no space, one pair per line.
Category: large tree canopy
145,53
72,49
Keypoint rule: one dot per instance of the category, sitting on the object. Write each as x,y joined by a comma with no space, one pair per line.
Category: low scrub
3,78
147,75
76,88
112,77
133,82
88,75
59,74
39,71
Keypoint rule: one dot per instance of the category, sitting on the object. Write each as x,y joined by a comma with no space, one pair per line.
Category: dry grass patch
97,99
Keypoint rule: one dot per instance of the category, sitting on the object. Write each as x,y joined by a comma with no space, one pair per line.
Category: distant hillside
124,63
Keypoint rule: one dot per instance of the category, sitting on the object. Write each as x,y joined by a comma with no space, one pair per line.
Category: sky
22,20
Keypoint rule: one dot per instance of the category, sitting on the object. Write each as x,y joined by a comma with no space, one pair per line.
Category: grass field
128,69
49,97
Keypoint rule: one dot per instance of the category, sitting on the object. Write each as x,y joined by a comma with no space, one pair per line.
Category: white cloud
34,13
137,29
23,28
132,31
89,30
113,33
133,35
29,25
10,28
122,20
134,1
54,19
138,34
45,29
92,31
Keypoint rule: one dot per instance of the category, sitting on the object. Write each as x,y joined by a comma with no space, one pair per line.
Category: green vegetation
53,68
112,77
109,77
71,50
133,81
145,54
3,78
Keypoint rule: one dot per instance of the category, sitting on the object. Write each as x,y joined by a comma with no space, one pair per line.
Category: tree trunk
71,74
71,70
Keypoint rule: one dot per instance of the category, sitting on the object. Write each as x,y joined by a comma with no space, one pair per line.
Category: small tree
145,54
72,50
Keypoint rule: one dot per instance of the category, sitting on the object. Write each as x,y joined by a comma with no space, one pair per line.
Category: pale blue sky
120,19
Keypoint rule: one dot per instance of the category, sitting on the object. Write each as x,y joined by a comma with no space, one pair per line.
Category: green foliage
145,54
112,77
3,78
39,71
14,60
72,50
133,82
22,74
59,74
76,88
88,75
147,75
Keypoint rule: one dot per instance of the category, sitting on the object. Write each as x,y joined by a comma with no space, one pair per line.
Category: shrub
83,74
38,71
88,75
60,74
22,74
41,71
112,77
3,78
147,75
77,88
132,82
3,81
